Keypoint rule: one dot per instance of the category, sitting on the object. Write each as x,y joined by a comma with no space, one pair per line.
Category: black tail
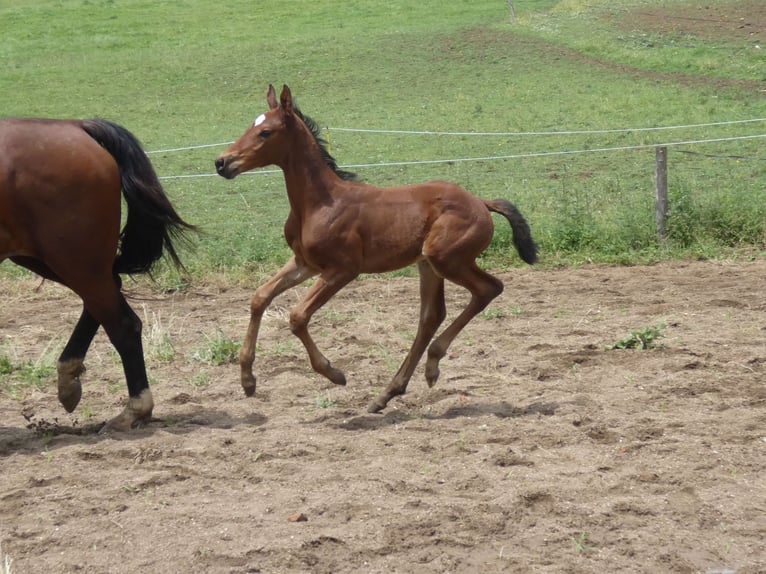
152,223
522,235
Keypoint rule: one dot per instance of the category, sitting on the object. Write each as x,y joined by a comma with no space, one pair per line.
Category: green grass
181,74
324,401
607,30
642,339
582,543
218,350
18,377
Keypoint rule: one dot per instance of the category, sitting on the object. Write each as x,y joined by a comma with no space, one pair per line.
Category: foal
338,229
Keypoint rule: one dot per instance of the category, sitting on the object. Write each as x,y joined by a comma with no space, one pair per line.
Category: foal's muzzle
223,167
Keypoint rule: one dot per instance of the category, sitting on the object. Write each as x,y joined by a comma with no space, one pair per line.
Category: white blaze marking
260,119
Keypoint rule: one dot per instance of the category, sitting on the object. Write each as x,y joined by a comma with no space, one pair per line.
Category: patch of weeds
16,377
220,350
163,349
325,401
490,314
390,362
200,381
284,347
6,366
37,374
86,411
582,543
157,339
642,339
116,386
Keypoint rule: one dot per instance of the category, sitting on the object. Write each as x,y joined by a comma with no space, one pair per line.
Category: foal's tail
522,235
152,223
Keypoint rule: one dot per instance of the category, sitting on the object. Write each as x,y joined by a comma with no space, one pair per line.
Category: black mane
316,131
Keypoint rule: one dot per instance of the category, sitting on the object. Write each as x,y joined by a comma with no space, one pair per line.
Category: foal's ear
286,99
271,97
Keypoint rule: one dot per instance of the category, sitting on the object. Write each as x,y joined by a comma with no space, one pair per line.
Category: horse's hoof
69,387
124,422
70,395
249,391
138,411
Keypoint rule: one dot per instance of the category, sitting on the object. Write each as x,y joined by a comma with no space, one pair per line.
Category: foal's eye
265,134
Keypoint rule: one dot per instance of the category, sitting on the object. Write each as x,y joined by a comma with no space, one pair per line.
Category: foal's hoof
432,374
376,406
248,384
337,377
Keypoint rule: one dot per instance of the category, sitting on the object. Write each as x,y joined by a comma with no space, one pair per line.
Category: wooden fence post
661,192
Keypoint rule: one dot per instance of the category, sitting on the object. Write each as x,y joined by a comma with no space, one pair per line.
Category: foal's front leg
293,273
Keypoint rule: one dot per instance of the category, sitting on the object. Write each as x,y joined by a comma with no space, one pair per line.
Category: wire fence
520,155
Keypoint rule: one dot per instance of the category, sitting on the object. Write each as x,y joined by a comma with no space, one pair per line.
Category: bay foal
339,228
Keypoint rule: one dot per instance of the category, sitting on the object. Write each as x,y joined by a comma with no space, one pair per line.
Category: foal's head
267,141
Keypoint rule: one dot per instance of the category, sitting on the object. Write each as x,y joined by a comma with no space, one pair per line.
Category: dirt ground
539,450
742,20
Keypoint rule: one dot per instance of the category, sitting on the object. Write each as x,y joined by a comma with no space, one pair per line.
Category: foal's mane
316,131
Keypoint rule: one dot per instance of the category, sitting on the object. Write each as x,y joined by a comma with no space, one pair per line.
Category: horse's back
59,190
56,149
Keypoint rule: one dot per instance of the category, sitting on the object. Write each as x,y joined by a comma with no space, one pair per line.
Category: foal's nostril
219,164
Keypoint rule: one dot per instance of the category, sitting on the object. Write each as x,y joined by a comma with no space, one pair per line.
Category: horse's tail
152,223
522,235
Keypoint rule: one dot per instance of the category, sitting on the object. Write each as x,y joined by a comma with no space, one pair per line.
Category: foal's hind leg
432,313
484,288
70,364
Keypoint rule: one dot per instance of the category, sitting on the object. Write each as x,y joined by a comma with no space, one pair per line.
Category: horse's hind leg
432,313
108,307
70,364
484,288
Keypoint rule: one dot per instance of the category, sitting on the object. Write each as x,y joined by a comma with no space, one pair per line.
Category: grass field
185,74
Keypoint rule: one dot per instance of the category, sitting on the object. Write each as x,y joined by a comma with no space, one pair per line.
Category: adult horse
339,228
60,183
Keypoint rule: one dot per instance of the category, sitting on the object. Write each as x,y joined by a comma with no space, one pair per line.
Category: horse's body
338,229
60,202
